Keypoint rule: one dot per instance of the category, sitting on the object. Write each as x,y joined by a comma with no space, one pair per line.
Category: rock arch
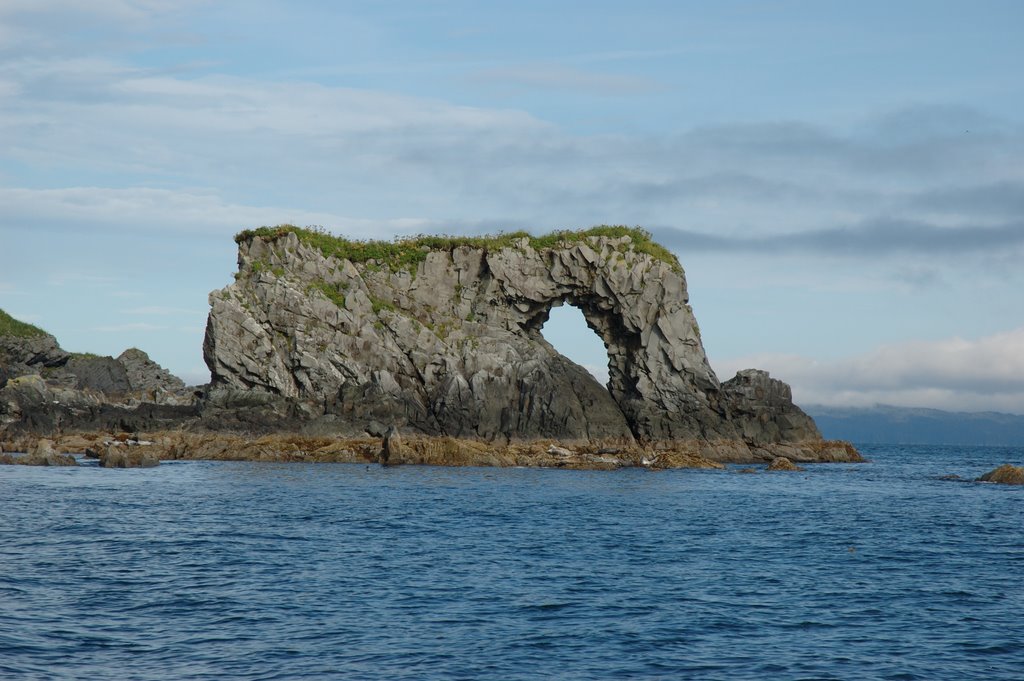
443,336
659,375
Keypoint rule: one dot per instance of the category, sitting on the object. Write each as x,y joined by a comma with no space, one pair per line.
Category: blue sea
228,570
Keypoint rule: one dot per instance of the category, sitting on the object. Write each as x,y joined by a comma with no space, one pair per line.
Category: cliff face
443,337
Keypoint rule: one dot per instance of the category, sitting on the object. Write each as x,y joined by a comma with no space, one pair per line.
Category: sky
842,182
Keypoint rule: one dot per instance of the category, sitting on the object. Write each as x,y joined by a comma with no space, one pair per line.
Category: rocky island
436,340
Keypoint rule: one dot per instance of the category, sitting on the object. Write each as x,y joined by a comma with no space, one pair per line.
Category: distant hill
903,425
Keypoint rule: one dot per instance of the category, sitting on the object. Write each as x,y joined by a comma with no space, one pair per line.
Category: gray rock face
21,355
103,374
142,373
763,412
452,344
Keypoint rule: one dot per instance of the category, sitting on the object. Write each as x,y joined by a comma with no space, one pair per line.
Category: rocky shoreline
124,450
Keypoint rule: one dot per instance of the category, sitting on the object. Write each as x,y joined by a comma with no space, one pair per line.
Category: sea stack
442,336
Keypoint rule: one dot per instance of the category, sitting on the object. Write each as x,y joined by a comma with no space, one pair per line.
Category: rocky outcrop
143,374
100,374
762,410
781,463
442,337
1006,474
120,456
45,390
20,355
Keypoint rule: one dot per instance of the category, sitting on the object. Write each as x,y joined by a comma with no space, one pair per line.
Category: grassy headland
407,252
9,326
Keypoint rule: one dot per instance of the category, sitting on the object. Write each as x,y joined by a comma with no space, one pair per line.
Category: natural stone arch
659,375
442,336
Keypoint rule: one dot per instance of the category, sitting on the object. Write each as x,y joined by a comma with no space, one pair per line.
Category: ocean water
220,570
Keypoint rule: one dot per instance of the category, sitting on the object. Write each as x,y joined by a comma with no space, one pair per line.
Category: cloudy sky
843,182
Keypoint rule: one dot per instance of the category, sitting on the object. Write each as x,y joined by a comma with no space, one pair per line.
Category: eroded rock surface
762,410
449,343
143,374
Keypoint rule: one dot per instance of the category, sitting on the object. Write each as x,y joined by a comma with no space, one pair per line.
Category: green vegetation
407,253
379,305
85,355
332,293
257,266
9,326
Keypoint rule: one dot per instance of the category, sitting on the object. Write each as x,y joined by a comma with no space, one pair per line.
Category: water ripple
214,570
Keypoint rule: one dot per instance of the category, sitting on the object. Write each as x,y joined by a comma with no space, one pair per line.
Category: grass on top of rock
405,253
9,326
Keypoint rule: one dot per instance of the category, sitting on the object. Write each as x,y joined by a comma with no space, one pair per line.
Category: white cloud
163,210
341,153
955,373
48,27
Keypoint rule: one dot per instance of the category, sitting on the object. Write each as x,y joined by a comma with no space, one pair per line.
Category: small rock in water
116,457
781,463
1005,475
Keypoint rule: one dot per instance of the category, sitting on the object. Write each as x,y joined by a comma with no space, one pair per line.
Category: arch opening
567,331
